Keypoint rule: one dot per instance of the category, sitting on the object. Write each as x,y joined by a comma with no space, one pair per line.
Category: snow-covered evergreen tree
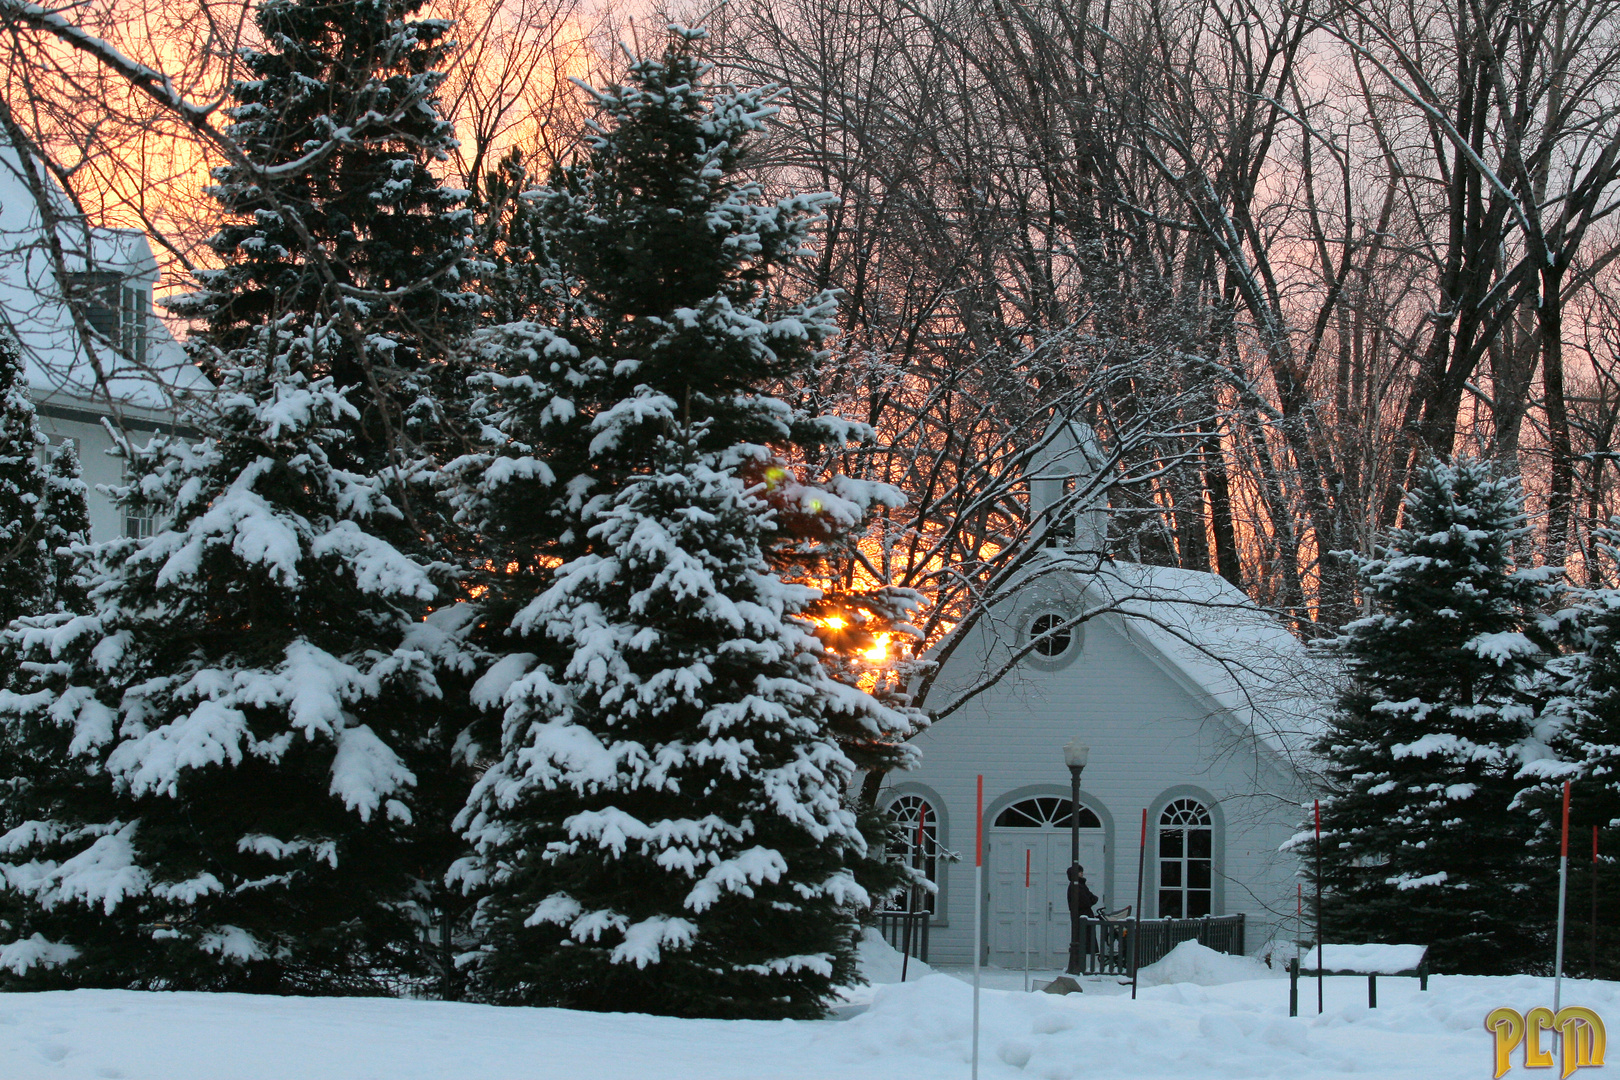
1421,840
214,795
25,551
642,845
1581,725
67,525
241,761
340,231
665,829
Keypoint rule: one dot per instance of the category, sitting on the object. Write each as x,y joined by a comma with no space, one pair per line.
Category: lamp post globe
1075,756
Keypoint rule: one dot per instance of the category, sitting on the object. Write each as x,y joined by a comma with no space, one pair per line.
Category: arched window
1186,860
1044,812
918,821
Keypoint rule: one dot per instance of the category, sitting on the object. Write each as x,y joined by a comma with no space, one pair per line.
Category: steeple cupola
1065,482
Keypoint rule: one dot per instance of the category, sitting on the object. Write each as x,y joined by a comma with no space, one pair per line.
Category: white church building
128,371
1195,706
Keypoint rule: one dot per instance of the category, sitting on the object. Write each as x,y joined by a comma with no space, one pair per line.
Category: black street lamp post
1075,755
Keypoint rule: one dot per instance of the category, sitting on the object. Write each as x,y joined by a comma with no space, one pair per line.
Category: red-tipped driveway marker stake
1563,888
1136,931
1321,950
978,910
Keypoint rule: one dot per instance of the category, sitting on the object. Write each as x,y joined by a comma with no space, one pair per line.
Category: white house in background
133,373
1196,707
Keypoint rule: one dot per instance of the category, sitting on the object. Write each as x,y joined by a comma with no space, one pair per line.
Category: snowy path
919,1030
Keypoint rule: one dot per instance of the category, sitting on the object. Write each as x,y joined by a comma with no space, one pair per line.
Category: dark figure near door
1081,899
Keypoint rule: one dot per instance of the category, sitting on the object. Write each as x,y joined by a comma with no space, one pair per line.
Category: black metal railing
893,925
1107,942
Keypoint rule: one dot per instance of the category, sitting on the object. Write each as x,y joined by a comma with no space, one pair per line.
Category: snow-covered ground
915,1031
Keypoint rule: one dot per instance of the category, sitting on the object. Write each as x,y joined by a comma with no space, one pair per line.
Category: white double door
1040,910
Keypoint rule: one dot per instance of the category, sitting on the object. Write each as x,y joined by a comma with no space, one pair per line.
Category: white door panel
1046,895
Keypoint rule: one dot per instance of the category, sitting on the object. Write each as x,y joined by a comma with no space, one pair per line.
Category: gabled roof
32,307
1221,647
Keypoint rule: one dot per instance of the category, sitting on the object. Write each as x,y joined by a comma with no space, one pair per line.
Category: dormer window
117,309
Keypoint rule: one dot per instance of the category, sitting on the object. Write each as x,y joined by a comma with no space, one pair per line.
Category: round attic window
1052,638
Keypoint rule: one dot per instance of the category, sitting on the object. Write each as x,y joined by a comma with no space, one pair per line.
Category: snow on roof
33,308
1222,645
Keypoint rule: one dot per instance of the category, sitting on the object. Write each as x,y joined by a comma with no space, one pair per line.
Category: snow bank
1193,963
880,962
1372,959
1239,1031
